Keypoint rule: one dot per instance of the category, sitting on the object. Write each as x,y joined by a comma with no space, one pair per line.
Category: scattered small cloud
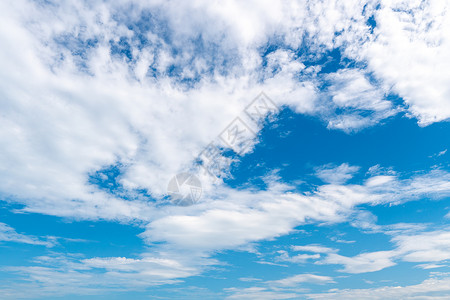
336,174
439,154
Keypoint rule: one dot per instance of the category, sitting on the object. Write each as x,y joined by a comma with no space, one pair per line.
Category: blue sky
338,189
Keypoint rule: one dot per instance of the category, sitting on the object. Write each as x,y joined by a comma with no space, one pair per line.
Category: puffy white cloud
410,55
235,218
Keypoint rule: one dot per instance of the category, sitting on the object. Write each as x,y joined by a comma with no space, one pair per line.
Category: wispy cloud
336,174
8,234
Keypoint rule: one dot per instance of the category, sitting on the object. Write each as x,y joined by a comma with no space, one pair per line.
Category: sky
224,149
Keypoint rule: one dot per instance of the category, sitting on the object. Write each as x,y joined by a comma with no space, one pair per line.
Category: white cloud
8,234
433,288
352,92
362,263
442,152
62,274
313,248
301,278
430,266
73,105
379,170
439,154
258,293
410,55
302,258
235,218
432,246
249,279
338,175
299,258
379,180
286,288
412,244
61,123
187,236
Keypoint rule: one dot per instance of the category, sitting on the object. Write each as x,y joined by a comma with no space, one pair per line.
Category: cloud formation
129,93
